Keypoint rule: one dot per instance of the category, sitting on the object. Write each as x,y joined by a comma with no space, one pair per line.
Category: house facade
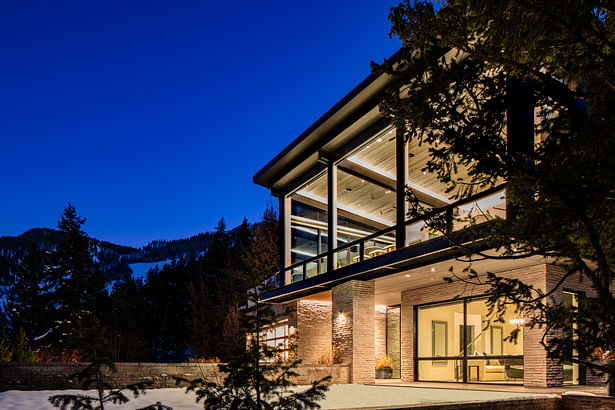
364,282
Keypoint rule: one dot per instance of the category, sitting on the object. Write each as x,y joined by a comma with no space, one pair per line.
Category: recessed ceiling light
424,173
379,140
407,276
367,146
433,269
387,192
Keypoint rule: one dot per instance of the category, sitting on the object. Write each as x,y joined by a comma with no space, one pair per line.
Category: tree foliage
93,376
79,294
29,304
522,92
256,375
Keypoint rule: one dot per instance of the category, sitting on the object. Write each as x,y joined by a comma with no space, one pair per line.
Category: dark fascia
309,142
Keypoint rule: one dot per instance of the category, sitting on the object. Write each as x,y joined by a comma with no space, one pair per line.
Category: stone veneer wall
313,330
353,327
539,371
56,376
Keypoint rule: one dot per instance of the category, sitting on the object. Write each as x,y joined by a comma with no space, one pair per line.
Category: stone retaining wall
582,402
57,376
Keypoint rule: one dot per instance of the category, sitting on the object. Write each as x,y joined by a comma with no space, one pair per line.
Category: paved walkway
353,396
597,390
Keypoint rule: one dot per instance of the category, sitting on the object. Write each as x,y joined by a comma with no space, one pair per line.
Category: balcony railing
476,210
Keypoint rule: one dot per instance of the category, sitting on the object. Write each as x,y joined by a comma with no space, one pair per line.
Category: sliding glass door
460,341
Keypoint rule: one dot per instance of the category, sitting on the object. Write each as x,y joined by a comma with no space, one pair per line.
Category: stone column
353,333
407,337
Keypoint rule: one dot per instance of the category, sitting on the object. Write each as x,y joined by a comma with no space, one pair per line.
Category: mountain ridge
112,258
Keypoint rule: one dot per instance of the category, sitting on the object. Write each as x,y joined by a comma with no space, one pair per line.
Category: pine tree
167,312
256,378
29,304
125,318
79,298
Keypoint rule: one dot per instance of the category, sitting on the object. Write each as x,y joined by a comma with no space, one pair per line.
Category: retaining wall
58,376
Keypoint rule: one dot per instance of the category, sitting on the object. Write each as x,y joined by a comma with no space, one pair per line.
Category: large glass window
393,339
460,341
276,338
573,373
308,223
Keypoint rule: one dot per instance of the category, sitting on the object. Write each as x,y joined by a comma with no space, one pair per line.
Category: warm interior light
433,269
407,276
379,140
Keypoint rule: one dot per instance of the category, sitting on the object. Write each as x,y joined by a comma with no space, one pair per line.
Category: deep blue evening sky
152,117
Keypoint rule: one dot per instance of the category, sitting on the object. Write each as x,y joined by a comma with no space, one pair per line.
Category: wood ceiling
366,180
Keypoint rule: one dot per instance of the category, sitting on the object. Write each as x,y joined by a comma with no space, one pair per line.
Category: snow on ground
340,396
35,400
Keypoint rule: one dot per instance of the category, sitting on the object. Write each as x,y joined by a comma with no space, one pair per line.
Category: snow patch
139,270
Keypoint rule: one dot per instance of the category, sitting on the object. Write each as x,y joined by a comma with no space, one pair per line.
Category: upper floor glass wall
366,201
308,225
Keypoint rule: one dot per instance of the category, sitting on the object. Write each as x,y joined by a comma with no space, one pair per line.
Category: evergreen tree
212,291
126,321
167,312
28,305
256,378
80,296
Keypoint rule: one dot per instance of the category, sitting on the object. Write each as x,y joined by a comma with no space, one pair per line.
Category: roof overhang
347,120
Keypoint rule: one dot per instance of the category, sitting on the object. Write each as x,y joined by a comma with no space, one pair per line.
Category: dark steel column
401,205
332,214
284,242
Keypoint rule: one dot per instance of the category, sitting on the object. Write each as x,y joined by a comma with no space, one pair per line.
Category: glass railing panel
316,267
481,210
296,274
378,245
347,256
419,232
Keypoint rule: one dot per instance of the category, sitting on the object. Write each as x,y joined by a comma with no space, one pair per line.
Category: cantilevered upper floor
343,208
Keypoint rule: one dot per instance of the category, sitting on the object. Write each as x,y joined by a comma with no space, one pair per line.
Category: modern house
365,282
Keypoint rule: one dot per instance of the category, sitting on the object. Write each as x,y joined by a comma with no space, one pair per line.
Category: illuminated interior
448,340
366,201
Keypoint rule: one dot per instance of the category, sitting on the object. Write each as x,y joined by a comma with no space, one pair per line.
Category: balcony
460,217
